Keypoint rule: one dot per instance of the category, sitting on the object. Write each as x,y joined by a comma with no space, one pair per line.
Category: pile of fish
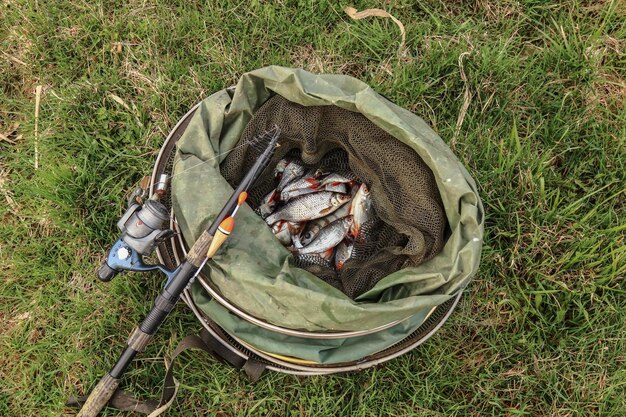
316,213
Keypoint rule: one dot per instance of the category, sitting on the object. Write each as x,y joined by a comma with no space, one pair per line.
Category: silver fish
306,185
336,187
293,170
285,230
268,204
311,183
332,178
280,167
312,176
343,253
361,209
288,195
309,207
313,227
311,188
328,237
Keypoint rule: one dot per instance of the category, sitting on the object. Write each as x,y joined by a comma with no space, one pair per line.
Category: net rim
177,242
273,363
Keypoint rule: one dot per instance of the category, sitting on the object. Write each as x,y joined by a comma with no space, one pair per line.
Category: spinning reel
143,229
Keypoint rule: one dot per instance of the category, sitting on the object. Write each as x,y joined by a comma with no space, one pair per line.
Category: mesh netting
409,225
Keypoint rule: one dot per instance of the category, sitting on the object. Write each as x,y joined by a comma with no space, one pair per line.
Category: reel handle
105,273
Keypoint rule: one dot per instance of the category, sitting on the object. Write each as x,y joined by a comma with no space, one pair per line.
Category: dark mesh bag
410,223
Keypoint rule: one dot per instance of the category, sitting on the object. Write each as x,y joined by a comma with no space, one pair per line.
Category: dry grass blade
6,139
356,15
37,102
7,193
14,59
119,101
467,98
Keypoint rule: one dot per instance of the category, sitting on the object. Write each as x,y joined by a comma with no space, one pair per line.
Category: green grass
539,332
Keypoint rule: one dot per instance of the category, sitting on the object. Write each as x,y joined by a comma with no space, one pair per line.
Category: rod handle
197,253
99,397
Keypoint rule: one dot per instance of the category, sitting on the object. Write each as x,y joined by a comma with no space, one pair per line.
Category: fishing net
410,221
421,249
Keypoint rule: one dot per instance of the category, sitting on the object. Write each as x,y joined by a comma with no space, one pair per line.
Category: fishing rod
140,235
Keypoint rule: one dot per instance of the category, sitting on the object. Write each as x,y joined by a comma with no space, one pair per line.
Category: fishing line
208,160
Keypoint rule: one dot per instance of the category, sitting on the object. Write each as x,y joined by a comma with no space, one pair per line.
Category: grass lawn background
529,94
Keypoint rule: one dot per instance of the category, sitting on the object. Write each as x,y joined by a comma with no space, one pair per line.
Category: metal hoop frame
172,252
